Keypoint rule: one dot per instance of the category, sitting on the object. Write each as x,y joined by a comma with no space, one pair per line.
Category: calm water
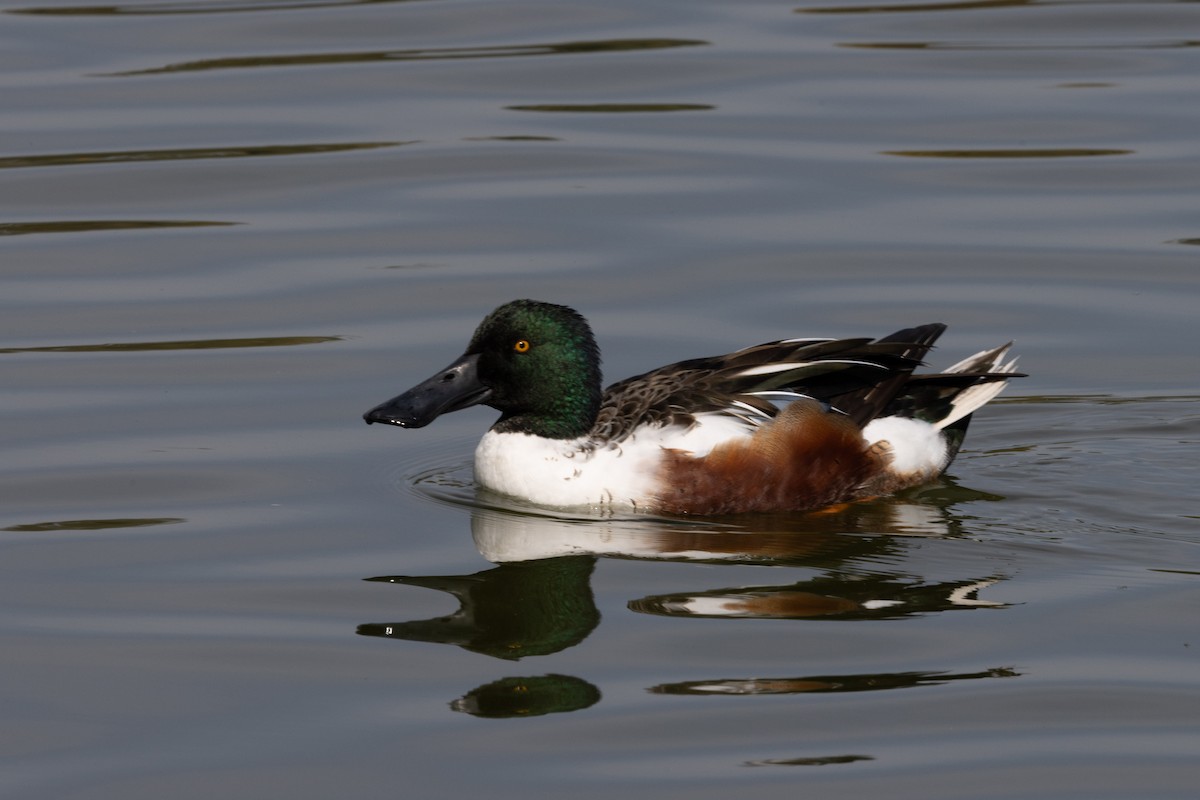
228,227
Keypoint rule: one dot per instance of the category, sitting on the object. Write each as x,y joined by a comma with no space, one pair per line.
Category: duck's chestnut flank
809,457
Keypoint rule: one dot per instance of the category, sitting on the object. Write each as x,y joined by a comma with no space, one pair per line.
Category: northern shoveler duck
792,425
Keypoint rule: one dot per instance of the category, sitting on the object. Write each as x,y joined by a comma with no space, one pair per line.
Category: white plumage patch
771,369
916,447
577,472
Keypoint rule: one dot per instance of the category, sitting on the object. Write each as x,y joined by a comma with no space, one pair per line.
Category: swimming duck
791,425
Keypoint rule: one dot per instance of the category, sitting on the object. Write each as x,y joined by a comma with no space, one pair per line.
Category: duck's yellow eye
522,346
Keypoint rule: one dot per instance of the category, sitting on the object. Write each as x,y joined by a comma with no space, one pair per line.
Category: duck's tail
989,374
923,427
947,399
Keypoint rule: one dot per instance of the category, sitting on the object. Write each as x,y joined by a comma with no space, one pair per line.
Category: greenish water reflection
186,344
531,608
612,108
826,683
528,697
93,225
964,5
93,524
1013,152
160,9
427,54
186,154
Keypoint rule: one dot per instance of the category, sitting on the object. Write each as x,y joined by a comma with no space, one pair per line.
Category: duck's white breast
558,472
578,472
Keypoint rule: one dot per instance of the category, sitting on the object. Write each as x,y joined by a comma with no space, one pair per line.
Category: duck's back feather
859,377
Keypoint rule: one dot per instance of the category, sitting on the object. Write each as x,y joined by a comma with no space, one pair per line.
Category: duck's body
792,425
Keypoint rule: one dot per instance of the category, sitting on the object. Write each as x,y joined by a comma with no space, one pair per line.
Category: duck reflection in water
528,697
511,611
538,600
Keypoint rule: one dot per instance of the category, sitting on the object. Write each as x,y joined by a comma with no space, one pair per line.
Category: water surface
228,228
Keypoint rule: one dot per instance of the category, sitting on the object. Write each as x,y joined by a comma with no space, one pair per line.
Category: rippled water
228,228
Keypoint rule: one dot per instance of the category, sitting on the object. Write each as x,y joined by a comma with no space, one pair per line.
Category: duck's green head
537,363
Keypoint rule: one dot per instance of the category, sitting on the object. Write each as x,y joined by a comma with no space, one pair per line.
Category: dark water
228,228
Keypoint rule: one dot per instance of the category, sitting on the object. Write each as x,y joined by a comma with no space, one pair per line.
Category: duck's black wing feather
858,376
868,402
